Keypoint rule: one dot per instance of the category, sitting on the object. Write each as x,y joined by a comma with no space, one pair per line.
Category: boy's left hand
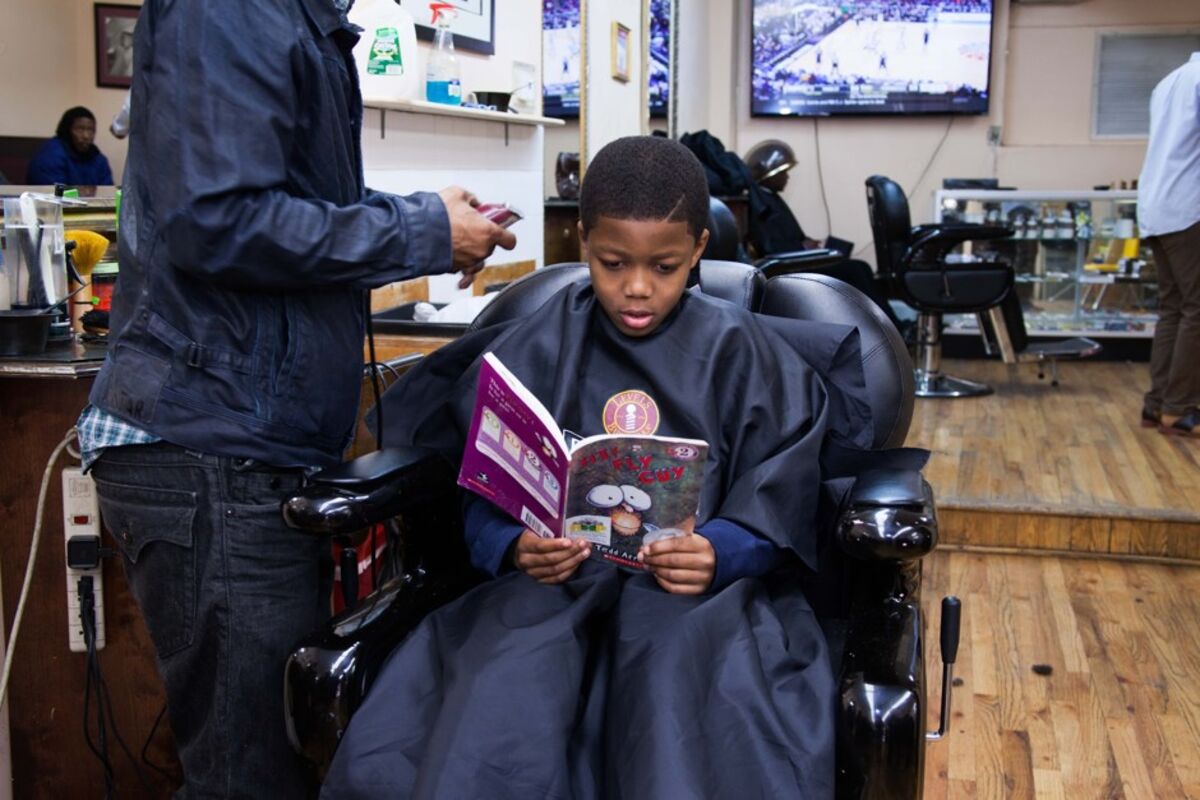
682,565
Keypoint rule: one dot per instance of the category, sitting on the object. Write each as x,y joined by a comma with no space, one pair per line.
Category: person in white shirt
1169,219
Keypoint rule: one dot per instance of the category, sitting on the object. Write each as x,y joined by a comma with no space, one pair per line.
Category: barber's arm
222,191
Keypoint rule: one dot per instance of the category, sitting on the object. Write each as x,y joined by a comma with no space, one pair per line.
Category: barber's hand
473,236
549,560
681,565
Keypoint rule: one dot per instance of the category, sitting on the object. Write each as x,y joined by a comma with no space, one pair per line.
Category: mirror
606,69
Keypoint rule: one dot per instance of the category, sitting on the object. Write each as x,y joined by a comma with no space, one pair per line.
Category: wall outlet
81,517
994,135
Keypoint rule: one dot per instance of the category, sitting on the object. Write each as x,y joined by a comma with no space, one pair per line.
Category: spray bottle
386,53
442,81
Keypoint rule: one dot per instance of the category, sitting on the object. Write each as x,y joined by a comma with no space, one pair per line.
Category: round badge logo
632,412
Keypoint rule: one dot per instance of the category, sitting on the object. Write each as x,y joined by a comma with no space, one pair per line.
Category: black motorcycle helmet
769,163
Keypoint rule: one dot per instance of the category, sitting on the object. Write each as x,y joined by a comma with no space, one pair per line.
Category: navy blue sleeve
489,533
48,166
740,553
229,207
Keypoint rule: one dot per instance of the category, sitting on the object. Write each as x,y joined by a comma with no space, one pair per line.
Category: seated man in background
770,163
71,157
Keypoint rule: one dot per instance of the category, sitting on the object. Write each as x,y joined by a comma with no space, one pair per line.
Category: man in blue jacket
247,245
71,157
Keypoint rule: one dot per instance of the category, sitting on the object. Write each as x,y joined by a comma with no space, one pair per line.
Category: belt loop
193,354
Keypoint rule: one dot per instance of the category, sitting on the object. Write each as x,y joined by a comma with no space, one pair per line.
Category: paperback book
618,491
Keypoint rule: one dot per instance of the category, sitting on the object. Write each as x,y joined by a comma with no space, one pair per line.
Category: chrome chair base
935,384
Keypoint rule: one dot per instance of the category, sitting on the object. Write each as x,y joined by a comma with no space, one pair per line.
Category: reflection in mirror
613,100
636,105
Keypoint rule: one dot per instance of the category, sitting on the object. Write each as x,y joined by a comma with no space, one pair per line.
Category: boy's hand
682,565
549,560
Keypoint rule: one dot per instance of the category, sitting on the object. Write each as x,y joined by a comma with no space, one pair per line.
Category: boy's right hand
473,236
549,560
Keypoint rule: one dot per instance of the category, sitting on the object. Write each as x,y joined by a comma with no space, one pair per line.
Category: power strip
81,517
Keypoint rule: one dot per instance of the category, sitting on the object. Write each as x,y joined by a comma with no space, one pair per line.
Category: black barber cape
607,685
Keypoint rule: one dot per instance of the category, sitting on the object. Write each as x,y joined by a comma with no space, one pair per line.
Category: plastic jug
386,53
442,81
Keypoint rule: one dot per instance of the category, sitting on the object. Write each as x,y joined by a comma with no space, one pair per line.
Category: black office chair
913,262
1005,335
724,244
866,591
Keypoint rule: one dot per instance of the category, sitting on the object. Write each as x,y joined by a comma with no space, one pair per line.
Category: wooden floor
1119,714
1067,468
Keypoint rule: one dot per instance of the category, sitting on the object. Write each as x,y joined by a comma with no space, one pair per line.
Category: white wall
1042,64
612,108
47,60
424,152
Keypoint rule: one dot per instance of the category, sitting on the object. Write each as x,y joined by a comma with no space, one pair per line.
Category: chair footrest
1078,347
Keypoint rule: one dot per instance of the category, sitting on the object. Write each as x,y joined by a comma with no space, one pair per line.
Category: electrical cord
928,165
105,717
933,157
162,712
374,373
821,179
87,617
33,551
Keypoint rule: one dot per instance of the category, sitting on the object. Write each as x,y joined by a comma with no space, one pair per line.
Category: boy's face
639,269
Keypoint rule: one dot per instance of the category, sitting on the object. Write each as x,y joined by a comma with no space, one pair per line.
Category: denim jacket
247,239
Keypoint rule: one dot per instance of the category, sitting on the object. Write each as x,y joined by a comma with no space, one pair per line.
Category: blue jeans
226,590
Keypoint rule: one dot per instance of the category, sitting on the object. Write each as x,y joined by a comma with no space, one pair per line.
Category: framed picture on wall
473,23
114,44
620,52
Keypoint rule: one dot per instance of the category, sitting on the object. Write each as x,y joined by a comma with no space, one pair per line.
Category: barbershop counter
40,399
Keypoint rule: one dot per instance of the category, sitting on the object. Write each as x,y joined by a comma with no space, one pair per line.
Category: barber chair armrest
880,728
797,261
368,489
890,516
932,242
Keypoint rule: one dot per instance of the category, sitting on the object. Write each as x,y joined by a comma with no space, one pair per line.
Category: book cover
617,491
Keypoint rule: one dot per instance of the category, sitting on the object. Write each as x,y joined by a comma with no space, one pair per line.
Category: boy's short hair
645,178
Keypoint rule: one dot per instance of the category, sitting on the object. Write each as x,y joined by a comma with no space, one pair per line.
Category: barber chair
725,244
1005,335
866,591
915,264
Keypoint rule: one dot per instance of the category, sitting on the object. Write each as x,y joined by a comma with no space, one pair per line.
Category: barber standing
247,245
1169,218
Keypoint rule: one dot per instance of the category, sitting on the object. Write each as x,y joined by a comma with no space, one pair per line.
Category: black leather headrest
529,293
740,284
891,223
887,368
723,236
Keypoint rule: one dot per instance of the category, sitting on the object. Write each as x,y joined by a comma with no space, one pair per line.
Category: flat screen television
826,57
560,57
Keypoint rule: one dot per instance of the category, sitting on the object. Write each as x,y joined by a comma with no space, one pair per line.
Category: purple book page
515,455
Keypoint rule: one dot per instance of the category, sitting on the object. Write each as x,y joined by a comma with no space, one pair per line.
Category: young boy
590,681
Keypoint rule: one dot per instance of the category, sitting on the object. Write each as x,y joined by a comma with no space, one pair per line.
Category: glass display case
1081,269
